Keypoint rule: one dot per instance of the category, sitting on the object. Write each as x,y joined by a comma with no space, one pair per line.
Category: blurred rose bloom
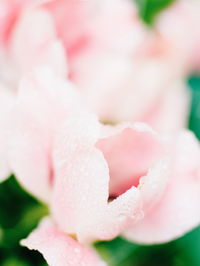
69,67
113,58
100,181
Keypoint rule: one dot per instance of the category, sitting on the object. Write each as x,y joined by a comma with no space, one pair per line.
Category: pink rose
101,181
109,52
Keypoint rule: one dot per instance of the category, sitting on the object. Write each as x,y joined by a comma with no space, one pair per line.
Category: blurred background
20,213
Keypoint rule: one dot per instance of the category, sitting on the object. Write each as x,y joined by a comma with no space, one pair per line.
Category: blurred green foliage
149,9
181,252
194,119
19,215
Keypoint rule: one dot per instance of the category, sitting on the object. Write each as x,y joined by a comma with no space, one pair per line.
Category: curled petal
58,248
35,32
177,211
43,103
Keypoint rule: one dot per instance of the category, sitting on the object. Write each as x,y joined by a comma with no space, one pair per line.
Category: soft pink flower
58,248
119,52
162,171
170,205
109,52
99,181
62,154
110,72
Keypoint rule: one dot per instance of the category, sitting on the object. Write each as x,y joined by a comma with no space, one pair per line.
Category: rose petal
35,32
58,248
6,105
43,103
177,211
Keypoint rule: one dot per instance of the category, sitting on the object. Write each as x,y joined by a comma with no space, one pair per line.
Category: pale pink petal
6,105
81,191
43,103
38,24
67,13
34,42
161,115
178,25
99,77
112,219
113,86
60,249
72,157
119,94
116,26
177,211
9,12
54,56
